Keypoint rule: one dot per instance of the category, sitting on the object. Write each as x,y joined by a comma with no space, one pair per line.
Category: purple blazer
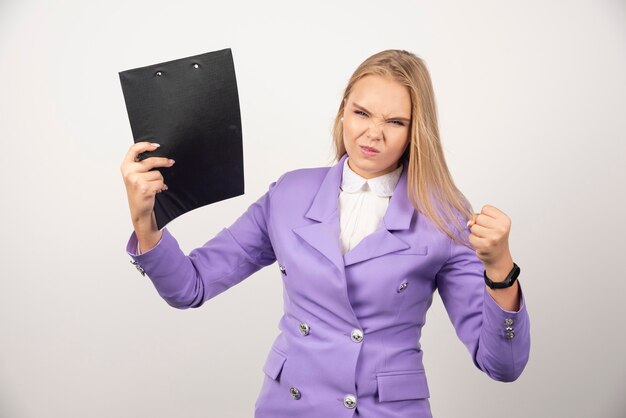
349,341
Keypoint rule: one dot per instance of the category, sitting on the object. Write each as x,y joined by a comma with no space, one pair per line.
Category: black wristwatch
508,282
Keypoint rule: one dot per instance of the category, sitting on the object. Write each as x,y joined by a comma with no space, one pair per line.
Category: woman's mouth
368,151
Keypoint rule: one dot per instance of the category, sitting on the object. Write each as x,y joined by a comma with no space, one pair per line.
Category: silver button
510,333
349,401
508,322
304,329
138,266
159,73
196,66
295,393
402,287
356,335
282,269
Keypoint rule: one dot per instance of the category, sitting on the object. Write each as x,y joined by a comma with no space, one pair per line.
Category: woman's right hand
142,184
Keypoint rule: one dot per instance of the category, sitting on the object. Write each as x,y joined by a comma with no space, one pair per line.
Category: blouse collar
382,186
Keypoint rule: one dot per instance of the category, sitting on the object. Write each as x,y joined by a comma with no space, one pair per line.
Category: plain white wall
532,99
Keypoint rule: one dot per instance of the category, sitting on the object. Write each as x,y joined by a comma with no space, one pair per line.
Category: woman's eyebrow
367,111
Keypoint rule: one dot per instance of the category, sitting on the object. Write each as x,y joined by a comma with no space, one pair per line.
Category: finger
472,220
154,162
150,188
149,176
481,245
138,148
491,211
163,187
142,182
480,231
486,221
136,179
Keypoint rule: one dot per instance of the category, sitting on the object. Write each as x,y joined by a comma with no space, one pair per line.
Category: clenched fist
490,238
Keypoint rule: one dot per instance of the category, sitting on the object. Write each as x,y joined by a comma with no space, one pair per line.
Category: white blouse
362,204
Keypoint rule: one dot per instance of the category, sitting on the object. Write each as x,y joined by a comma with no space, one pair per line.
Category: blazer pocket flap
274,364
402,385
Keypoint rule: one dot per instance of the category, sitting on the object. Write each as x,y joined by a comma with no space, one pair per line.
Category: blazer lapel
397,217
324,235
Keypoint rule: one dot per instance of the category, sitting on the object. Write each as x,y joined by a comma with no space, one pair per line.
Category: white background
532,103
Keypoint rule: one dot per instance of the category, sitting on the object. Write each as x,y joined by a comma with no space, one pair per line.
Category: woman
361,247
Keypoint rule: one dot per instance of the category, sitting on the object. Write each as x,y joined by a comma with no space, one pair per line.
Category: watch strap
507,282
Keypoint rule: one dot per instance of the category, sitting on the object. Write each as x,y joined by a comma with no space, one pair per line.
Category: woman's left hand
490,238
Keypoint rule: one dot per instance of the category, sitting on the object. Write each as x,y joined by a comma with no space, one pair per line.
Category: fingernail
172,161
165,187
469,222
154,144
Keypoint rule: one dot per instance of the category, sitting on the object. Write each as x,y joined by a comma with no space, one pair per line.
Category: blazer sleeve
236,252
497,339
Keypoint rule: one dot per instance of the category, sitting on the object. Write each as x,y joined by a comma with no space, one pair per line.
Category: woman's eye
360,113
397,122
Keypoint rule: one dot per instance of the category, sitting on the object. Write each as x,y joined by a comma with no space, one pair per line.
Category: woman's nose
375,129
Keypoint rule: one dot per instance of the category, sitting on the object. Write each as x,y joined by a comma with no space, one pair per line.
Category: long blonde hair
430,186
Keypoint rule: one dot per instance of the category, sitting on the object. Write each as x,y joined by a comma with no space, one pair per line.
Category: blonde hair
431,189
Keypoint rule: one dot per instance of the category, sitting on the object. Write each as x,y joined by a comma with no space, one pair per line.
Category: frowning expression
376,125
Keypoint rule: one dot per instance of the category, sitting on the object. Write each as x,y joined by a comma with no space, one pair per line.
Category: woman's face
376,121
